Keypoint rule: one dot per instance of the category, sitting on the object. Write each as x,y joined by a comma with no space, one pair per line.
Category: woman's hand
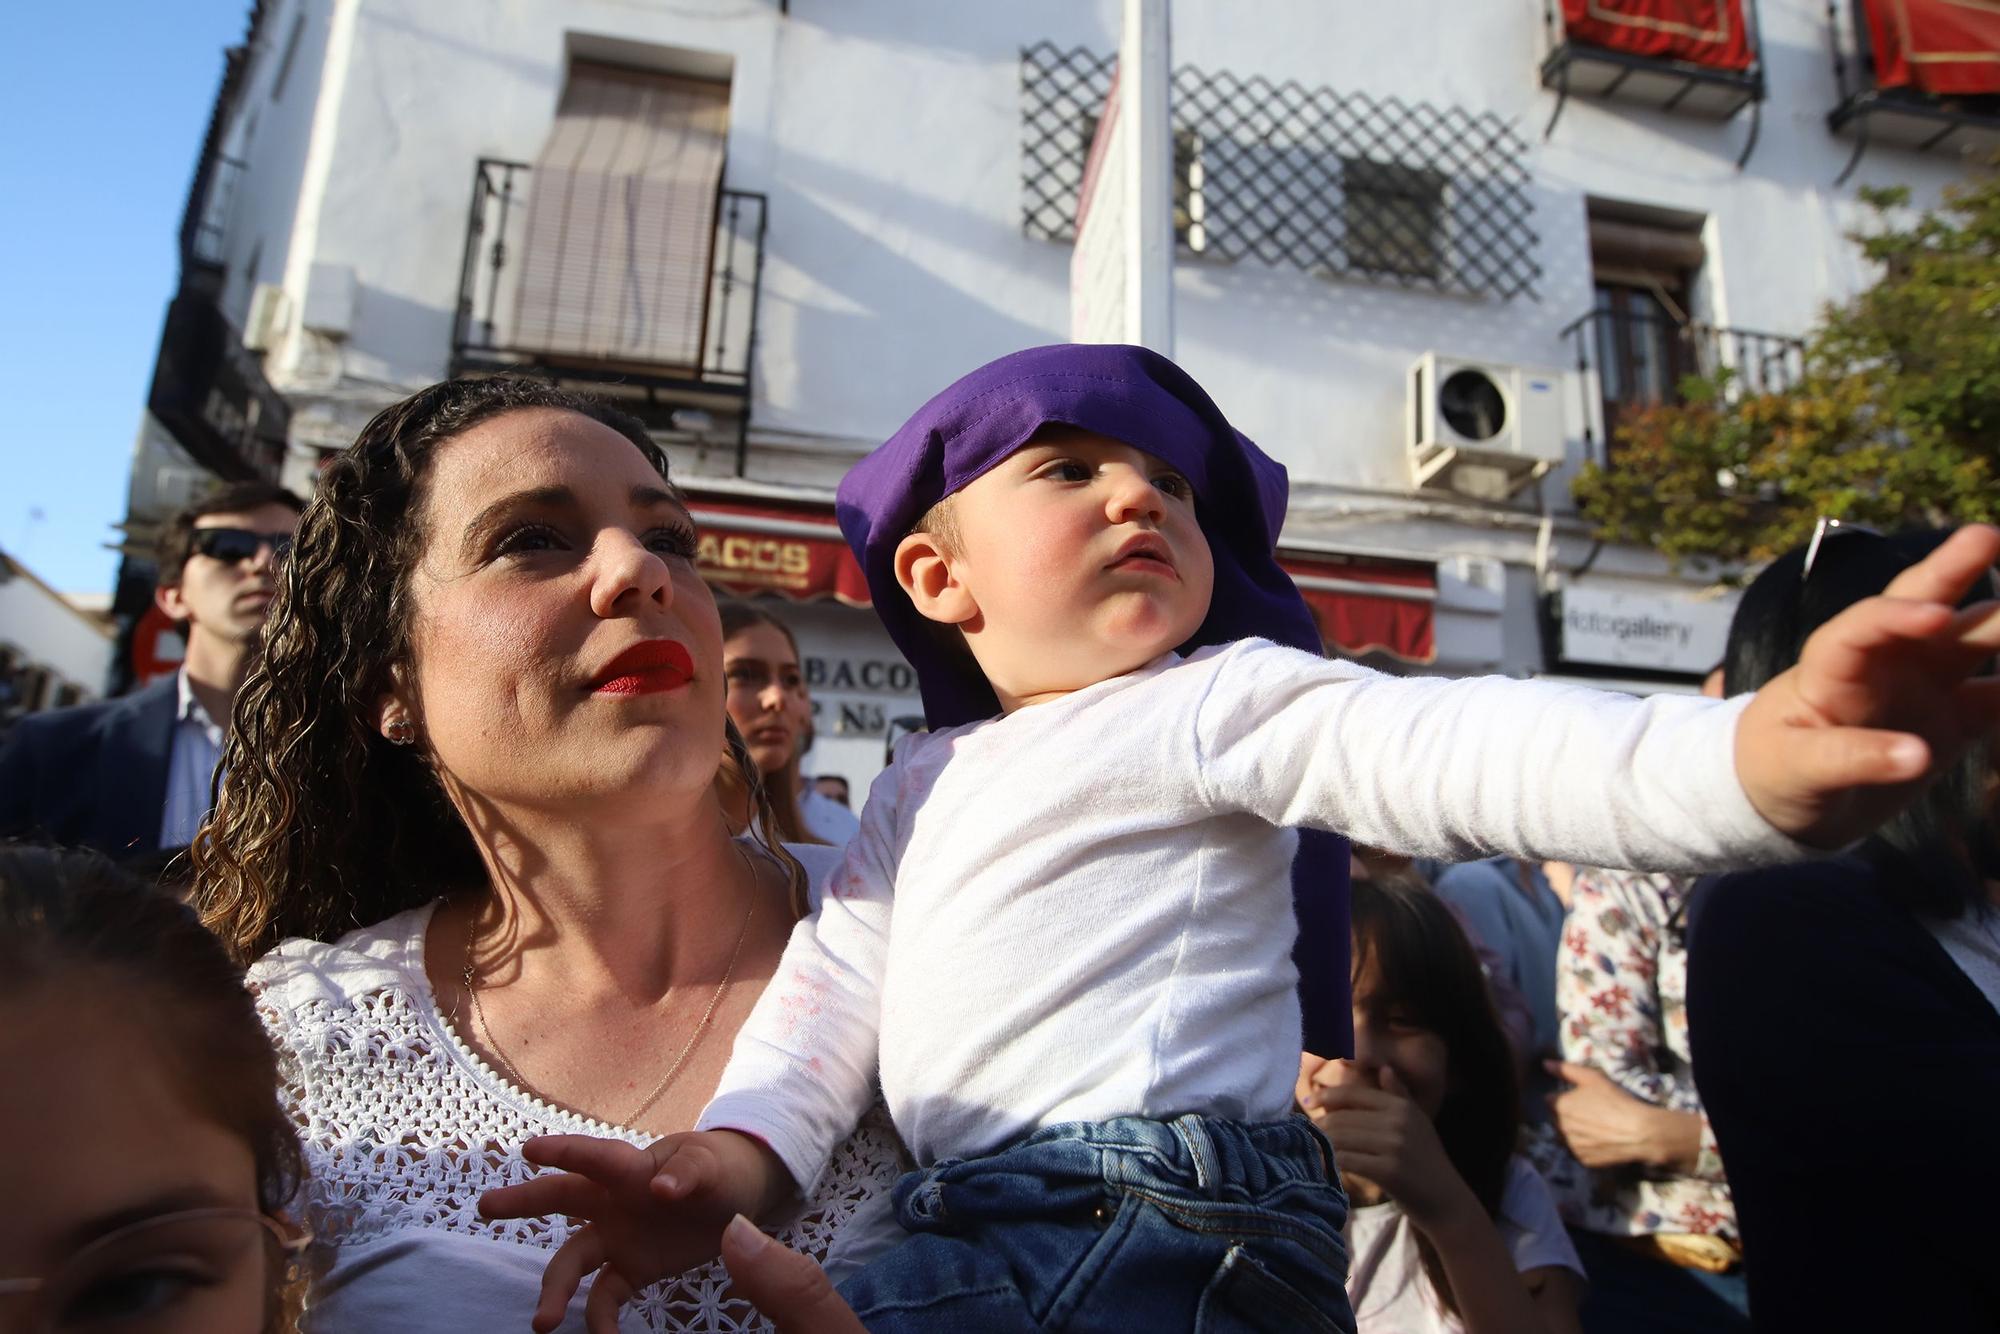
787,1288
1605,1126
1383,1137
651,1213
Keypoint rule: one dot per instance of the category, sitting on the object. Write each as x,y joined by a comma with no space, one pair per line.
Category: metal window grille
1308,178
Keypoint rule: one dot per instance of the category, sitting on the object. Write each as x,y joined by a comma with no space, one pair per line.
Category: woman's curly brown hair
321,825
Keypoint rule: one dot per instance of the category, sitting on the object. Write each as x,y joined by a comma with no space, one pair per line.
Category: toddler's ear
933,586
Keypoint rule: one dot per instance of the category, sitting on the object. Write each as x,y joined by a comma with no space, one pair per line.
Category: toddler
1060,935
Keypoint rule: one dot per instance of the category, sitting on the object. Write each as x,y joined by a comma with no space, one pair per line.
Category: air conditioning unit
1481,429
267,312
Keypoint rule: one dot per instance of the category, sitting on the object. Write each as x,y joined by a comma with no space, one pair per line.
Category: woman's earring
401,732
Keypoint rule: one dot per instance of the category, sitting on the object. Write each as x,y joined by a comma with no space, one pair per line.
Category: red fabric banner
1355,622
1946,47
750,549
1702,32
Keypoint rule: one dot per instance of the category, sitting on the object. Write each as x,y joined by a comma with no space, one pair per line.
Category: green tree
1895,421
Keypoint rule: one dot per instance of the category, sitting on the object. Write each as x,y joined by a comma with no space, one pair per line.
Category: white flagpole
1144,89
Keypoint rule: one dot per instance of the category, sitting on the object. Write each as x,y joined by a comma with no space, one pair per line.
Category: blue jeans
1192,1224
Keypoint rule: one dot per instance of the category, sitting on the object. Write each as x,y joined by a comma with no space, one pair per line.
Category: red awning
1947,47
1365,605
748,549
1362,604
1702,32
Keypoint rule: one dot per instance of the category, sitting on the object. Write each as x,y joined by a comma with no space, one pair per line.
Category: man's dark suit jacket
92,776
1851,1072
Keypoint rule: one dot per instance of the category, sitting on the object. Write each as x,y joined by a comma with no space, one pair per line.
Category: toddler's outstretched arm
650,1213
1883,697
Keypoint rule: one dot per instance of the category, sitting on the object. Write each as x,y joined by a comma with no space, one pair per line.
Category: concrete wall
887,134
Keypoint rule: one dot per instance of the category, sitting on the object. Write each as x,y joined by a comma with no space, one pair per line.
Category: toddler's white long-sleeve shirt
1083,909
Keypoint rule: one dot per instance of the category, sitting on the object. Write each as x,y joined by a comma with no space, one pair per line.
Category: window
1393,215
621,219
1190,181
1190,192
1643,266
1327,182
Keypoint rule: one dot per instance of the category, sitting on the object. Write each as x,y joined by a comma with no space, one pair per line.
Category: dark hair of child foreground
87,953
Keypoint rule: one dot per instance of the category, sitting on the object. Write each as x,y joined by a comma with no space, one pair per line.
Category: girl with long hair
1451,1230
772,710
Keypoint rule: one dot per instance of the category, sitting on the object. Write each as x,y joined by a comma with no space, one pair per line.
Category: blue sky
105,105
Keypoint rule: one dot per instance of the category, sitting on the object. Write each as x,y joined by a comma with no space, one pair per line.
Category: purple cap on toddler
1136,396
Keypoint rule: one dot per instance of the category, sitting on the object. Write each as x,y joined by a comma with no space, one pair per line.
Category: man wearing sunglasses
132,776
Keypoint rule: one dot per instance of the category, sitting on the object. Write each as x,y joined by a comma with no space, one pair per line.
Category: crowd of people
519,972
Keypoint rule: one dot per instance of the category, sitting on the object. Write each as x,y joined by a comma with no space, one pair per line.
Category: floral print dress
1621,989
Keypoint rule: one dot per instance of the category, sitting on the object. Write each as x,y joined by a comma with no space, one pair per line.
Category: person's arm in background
1607,993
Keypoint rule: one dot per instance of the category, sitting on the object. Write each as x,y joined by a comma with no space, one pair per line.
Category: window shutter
621,219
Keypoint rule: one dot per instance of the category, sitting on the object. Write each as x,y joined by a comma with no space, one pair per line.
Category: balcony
1711,72
644,305
209,391
1909,96
1631,353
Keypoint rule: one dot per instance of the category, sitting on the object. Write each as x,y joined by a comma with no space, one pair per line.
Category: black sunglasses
1823,532
238,544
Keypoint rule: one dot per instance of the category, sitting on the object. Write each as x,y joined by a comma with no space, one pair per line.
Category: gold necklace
467,982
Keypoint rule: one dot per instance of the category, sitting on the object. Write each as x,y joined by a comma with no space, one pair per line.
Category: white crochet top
404,1128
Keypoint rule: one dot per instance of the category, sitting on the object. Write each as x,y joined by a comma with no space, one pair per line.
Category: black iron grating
1308,178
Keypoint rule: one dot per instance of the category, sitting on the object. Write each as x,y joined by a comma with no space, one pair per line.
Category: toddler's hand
1882,698
651,1213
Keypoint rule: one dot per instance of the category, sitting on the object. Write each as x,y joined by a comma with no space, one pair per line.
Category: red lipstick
645,669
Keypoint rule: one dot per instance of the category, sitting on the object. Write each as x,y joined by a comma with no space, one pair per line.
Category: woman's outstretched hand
1882,698
650,1213
787,1288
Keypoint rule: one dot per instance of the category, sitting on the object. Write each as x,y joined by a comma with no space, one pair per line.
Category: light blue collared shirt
191,765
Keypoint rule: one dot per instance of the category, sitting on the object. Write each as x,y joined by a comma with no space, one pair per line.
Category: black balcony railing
714,375
1904,117
1585,69
209,391
1628,359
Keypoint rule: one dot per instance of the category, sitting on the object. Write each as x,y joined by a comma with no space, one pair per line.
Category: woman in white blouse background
470,826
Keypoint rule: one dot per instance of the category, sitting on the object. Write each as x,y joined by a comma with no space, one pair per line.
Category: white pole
1144,89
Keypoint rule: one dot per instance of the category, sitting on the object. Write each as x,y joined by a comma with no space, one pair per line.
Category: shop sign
876,676
1651,630
748,563
857,696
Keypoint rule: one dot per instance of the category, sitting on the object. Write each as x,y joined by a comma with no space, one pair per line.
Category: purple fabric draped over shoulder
1140,397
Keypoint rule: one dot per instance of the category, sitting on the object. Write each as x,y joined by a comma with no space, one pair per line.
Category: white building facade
53,653
777,228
